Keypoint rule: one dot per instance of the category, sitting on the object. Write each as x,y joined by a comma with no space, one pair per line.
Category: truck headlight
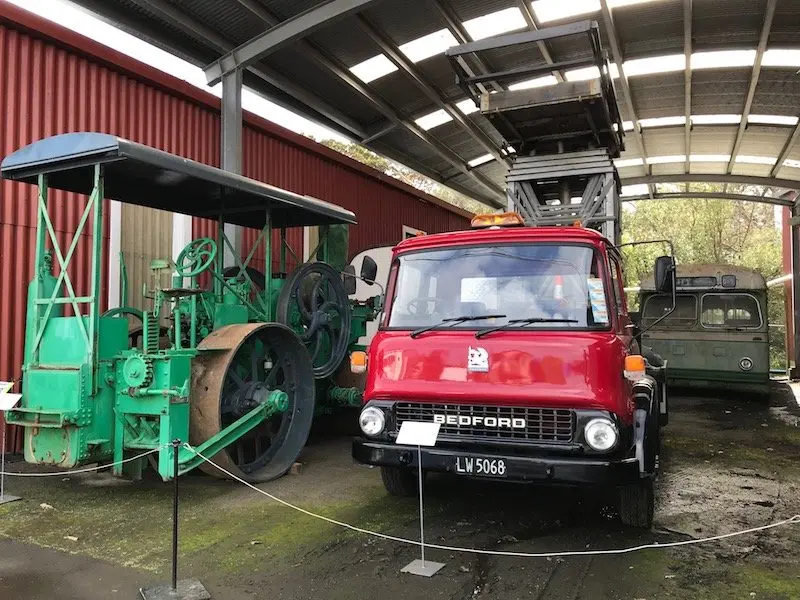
372,420
600,434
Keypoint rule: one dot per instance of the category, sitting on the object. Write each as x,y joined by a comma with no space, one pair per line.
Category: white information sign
418,433
7,399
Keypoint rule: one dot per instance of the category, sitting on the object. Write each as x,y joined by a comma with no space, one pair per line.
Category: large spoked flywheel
238,366
314,303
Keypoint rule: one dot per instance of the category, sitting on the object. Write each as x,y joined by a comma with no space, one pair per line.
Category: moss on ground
130,524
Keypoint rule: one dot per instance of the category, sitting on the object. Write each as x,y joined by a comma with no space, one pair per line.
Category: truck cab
518,342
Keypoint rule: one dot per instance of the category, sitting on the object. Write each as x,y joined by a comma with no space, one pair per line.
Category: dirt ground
728,464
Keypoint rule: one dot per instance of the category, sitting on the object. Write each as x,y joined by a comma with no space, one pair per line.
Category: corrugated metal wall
146,234
55,81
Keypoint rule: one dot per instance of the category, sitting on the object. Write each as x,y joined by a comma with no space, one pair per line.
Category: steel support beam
496,193
283,34
792,184
787,148
611,31
231,145
751,90
710,196
530,18
215,41
393,53
462,37
687,81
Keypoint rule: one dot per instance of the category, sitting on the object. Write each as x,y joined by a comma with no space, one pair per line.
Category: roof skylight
662,160
772,119
790,162
590,73
434,119
709,158
655,64
781,57
428,45
476,162
663,121
502,21
756,160
534,83
628,162
373,68
723,58
716,119
467,106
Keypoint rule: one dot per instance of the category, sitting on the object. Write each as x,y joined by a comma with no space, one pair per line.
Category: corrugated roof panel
751,170
778,93
764,141
732,23
719,91
657,96
230,19
286,9
635,25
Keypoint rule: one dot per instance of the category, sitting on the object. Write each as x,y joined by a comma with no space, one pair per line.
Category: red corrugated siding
55,81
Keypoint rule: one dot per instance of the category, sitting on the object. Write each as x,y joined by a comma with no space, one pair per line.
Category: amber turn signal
634,367
358,362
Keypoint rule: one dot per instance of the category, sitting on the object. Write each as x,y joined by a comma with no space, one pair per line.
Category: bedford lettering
470,421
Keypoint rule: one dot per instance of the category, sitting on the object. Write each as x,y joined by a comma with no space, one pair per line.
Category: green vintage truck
717,337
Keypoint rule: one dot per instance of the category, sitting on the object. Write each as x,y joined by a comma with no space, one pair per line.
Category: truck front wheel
399,481
637,504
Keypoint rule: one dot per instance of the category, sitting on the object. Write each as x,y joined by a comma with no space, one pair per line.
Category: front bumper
542,468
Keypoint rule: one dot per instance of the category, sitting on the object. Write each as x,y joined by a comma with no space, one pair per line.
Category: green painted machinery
233,360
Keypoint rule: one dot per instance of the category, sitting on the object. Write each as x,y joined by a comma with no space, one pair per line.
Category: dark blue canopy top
142,175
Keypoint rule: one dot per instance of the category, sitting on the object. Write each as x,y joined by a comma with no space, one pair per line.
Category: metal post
175,445
186,589
421,511
231,156
796,290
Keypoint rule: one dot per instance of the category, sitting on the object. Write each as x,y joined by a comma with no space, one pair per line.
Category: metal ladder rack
563,137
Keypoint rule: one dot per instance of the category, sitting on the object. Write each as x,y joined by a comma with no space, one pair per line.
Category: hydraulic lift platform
563,136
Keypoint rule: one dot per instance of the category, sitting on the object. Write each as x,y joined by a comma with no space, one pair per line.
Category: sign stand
7,402
416,433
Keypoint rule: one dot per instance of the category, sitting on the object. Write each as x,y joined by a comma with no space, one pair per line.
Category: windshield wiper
527,321
454,320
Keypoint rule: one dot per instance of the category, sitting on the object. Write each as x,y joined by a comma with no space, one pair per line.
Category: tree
708,231
406,175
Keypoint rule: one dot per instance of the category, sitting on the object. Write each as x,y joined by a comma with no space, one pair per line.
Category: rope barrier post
419,434
186,589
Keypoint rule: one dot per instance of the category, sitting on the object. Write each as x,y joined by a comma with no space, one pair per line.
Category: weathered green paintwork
710,357
88,396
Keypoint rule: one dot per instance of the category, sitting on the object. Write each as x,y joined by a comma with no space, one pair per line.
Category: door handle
758,339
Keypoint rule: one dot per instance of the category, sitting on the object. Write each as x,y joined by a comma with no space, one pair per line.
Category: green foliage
406,175
709,231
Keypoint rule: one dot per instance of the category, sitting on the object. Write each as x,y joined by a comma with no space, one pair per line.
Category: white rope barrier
84,470
790,521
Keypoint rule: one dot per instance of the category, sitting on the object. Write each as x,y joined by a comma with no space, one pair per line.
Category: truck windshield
520,281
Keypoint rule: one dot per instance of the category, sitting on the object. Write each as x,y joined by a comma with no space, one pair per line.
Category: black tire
399,481
637,504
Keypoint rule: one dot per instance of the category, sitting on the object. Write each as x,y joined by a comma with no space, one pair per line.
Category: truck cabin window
730,311
520,281
683,317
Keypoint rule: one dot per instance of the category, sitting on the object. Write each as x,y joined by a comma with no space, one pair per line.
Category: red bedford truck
517,340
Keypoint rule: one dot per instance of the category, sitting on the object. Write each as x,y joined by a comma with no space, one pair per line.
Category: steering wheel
196,257
427,300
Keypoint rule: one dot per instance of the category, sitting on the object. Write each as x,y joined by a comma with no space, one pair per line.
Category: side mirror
665,274
349,279
369,269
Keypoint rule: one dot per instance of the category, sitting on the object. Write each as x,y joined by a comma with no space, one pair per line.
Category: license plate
481,467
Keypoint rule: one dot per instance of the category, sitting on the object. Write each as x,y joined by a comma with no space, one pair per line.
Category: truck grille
540,424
